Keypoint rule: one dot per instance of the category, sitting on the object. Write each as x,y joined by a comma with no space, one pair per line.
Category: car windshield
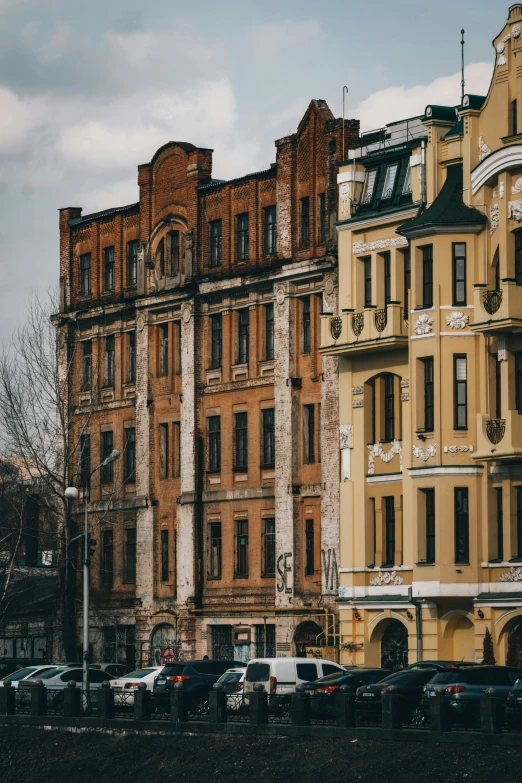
257,671
137,675
21,673
170,670
336,676
412,677
445,678
230,677
46,675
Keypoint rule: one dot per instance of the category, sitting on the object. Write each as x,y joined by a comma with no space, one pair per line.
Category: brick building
194,321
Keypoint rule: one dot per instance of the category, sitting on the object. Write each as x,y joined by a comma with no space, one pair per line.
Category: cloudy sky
88,90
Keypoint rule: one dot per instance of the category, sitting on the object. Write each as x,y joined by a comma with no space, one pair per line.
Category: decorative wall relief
501,189
457,320
345,436
330,571
517,187
493,217
377,450
387,578
424,454
357,403
405,396
357,389
379,244
458,449
483,148
513,575
515,210
501,49
423,324
344,195
405,383
515,31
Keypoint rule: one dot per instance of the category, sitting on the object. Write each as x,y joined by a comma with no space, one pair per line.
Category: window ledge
268,576
423,563
240,576
463,563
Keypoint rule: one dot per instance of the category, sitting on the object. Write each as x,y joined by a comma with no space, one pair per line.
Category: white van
281,676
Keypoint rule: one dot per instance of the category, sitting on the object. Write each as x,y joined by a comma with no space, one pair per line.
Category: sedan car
114,669
513,709
233,681
439,665
410,685
197,678
30,672
57,678
124,687
324,690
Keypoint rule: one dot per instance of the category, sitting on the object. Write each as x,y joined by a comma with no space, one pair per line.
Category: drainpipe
423,173
418,621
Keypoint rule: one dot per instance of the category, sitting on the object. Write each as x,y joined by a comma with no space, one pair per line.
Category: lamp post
71,493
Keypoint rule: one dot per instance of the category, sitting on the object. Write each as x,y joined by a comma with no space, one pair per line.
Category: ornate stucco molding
513,575
379,244
515,210
483,148
494,217
357,389
424,454
387,578
377,450
457,320
357,403
345,436
423,324
344,195
461,449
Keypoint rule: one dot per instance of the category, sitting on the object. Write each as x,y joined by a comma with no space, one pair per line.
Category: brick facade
180,499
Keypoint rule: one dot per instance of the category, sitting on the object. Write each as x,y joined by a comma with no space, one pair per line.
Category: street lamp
71,493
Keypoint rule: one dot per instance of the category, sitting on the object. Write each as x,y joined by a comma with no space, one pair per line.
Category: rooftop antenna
462,83
345,90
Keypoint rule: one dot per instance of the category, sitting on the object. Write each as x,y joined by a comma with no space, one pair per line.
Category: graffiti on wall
330,571
284,569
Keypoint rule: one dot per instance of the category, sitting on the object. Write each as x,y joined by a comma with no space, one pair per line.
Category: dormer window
369,186
406,188
389,181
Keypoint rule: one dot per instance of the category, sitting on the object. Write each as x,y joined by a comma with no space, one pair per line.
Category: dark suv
197,678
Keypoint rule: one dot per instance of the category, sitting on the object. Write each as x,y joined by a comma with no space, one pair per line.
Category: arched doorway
165,645
394,646
463,640
514,643
307,634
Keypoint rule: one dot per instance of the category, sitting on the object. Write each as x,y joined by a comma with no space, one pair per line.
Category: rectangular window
160,256
164,451
269,332
163,349
174,253
87,365
107,558
519,523
270,230
514,118
107,445
518,257
461,525
369,187
389,510
427,276
389,181
406,188
387,278
177,337
268,547
308,434
216,352
407,283
130,555
132,263
214,443
215,550
459,273
460,393
309,547
367,262
306,322
321,203
389,407
85,274
242,237
130,455
429,399
216,246
268,437
109,360
85,460
500,523
243,335
131,357
518,381
241,441
305,222
164,555
108,269
177,449
241,547
429,495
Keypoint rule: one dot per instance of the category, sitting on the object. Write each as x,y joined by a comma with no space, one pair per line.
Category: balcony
497,311
370,329
499,439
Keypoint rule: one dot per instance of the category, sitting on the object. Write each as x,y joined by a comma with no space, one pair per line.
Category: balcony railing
497,309
357,323
492,301
380,319
364,330
495,430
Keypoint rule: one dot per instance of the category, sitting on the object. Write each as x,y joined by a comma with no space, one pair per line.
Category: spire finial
462,83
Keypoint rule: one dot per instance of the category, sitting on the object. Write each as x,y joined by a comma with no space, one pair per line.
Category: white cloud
114,194
272,39
15,120
397,103
54,48
290,115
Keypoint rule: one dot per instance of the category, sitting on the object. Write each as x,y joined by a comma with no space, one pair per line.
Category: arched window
160,257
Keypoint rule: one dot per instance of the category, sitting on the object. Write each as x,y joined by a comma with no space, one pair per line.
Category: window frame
306,324
241,440
216,341
108,269
429,394
459,300
107,446
309,434
268,437
427,276
499,499
269,331
390,179
268,546
389,530
370,181
431,525
243,335
163,350
242,225
309,547
163,450
321,210
174,252
130,555
461,518
164,555
215,569
386,257
214,443
86,274
129,455
86,365
270,230
389,407
110,360
132,263
457,385
304,215
241,549
216,243
367,280
518,257
107,559
131,356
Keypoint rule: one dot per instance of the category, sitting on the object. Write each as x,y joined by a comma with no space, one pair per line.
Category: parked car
439,665
410,684
197,678
10,665
324,689
57,678
233,681
513,709
124,687
281,676
465,687
25,674
114,669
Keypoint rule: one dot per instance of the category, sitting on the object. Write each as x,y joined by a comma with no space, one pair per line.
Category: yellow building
429,339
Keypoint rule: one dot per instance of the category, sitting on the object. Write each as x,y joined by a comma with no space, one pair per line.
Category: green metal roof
443,113
473,102
498,596
456,130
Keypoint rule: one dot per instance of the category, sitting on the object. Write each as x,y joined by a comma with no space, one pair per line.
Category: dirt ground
28,754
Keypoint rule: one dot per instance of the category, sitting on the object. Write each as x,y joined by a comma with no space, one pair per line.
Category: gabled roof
448,212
